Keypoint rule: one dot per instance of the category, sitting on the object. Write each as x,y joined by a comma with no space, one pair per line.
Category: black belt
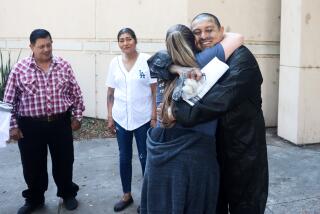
47,118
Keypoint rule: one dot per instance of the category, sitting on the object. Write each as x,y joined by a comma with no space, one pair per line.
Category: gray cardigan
182,173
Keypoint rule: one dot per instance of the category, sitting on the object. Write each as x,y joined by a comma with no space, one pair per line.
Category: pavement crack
59,208
297,200
269,210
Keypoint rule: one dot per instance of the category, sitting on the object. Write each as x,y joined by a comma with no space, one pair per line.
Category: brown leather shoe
121,205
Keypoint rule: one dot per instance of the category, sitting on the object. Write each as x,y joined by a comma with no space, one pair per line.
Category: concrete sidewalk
294,179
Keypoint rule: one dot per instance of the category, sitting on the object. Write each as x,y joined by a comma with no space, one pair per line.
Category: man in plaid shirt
47,107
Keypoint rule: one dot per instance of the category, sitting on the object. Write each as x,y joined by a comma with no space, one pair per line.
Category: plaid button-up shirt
34,93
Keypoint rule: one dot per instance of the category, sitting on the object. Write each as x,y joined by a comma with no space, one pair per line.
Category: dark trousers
244,171
124,138
38,136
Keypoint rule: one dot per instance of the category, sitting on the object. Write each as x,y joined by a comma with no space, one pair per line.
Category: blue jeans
124,138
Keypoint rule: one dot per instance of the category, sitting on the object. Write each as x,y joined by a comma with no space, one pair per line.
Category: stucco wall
84,32
299,104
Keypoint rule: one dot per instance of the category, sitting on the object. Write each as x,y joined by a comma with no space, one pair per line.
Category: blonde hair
180,45
180,53
167,104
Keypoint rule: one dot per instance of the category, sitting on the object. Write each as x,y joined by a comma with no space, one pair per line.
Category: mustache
206,40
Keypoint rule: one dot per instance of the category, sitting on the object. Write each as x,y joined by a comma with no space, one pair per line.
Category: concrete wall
84,32
260,24
299,104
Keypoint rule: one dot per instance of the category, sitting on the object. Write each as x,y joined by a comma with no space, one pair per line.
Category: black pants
38,136
244,168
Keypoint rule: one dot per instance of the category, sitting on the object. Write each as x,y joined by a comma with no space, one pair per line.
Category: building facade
280,33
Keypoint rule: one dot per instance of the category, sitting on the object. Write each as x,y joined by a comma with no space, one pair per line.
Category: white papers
212,73
5,115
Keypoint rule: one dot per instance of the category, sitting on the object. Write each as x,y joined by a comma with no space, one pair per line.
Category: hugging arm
229,43
222,50
242,81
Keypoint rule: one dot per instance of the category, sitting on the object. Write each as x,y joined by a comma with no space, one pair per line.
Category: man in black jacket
241,143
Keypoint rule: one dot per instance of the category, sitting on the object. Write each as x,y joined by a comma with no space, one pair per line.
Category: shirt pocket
61,83
30,86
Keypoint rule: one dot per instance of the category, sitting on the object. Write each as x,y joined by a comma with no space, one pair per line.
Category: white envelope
5,115
212,73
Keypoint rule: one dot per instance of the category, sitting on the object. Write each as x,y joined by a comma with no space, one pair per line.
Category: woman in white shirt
131,107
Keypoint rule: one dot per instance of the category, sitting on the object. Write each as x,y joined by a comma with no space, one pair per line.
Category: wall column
299,81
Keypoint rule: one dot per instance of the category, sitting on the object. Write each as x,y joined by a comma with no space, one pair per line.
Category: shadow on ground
294,178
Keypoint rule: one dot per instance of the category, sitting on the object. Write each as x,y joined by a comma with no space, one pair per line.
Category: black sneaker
70,203
27,208
138,209
121,205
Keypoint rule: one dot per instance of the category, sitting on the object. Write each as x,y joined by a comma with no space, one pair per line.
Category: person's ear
222,30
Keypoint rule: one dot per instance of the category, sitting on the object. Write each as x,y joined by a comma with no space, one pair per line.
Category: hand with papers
193,91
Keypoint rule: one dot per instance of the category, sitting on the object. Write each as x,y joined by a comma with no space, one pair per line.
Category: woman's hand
194,73
188,72
110,125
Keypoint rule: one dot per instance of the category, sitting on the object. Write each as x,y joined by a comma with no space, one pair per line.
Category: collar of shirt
32,61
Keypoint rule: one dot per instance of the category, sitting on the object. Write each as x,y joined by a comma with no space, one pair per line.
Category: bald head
208,17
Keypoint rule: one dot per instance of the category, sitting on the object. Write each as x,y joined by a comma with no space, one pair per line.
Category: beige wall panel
18,44
310,20
288,108
64,19
299,116
102,66
145,47
270,87
15,54
3,44
290,46
149,19
309,117
257,20
83,65
151,48
84,33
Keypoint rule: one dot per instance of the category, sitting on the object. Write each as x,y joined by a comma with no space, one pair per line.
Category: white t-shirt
132,105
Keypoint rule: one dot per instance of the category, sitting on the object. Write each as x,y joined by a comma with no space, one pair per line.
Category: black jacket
241,145
159,65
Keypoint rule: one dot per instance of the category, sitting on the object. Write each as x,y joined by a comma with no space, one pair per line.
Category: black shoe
70,203
121,205
27,208
138,209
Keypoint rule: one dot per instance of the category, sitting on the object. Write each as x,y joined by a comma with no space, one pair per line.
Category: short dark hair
207,16
128,31
39,33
